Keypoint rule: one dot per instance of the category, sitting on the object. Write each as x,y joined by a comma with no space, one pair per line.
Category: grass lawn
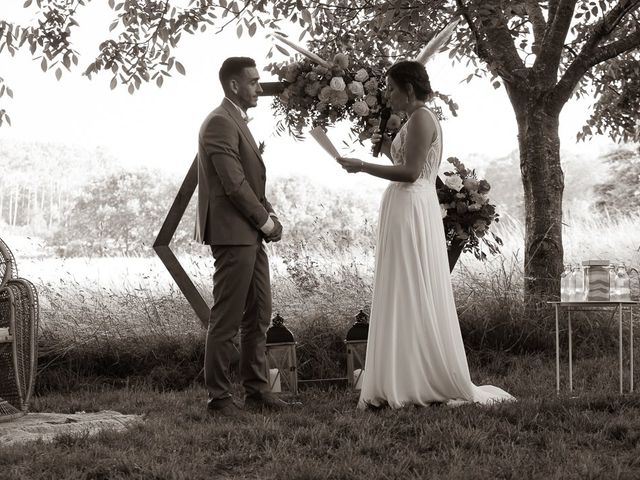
593,434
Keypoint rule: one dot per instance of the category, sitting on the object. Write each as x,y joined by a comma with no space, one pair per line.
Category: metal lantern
356,342
282,366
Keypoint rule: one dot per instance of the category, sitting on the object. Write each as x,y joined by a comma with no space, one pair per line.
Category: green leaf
27,4
114,83
43,64
58,74
9,92
112,4
8,119
180,68
160,81
239,31
131,89
252,29
283,50
306,15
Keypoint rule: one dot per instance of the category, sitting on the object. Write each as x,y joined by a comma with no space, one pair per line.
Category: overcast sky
158,126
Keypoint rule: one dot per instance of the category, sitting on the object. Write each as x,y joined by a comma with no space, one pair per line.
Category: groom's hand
276,234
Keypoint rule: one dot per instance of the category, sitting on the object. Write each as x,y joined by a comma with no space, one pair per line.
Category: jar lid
602,263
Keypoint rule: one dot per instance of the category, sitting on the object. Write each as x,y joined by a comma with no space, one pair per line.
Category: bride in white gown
415,354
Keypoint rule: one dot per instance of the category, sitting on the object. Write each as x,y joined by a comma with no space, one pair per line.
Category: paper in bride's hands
325,143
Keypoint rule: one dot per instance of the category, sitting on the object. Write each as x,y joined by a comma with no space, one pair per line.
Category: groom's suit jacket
231,181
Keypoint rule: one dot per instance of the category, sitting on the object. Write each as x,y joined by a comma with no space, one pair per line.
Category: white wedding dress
415,353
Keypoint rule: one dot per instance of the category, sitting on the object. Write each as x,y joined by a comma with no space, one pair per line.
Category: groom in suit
234,217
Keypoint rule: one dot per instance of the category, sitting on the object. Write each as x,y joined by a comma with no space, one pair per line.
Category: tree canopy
587,47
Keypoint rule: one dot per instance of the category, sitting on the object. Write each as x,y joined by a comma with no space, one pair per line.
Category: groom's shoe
225,408
264,401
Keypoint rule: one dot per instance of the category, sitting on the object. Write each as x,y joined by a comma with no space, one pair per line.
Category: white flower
325,94
394,122
337,83
356,88
480,198
371,100
361,75
338,98
361,108
443,210
454,182
371,86
471,184
341,59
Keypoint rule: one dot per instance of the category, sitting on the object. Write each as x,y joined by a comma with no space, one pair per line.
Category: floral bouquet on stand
321,94
466,211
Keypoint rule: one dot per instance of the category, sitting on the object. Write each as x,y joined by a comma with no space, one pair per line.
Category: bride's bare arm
420,133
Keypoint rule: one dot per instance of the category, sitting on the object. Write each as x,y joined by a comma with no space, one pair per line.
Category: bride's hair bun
409,72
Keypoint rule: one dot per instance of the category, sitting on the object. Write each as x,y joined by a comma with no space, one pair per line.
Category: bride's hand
351,165
377,137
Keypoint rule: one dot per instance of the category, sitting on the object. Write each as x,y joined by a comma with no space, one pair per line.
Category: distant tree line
83,204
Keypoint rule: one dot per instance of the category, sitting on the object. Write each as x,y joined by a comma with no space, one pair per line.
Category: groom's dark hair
409,72
233,66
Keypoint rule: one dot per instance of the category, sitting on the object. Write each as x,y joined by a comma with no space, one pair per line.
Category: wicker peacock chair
19,312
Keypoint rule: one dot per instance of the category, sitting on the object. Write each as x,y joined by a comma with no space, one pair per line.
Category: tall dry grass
123,319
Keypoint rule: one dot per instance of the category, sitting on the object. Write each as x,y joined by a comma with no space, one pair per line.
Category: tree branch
555,34
608,24
616,48
501,45
553,8
490,52
590,56
482,49
537,20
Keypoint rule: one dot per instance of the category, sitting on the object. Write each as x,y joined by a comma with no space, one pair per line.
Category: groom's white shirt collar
243,114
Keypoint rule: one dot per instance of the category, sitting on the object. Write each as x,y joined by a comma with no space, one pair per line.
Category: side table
615,307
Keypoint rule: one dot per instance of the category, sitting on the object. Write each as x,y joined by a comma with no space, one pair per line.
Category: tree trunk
543,182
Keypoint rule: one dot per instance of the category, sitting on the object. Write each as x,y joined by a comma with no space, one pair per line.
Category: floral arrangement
323,94
466,211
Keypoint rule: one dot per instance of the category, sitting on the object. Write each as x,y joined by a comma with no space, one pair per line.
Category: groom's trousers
241,300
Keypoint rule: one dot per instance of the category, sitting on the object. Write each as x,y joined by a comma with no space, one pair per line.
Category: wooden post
168,258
